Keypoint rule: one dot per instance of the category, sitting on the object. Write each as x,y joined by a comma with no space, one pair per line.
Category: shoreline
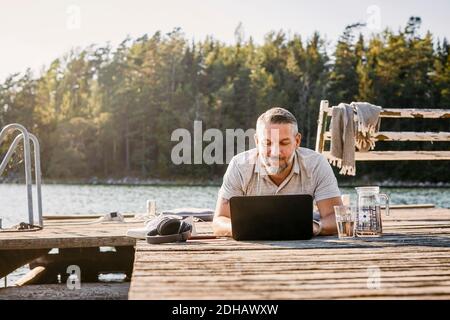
131,181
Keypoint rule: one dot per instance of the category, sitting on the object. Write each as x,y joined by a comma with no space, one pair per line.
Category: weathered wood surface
71,234
412,258
415,113
31,277
79,216
321,125
412,206
88,291
324,135
410,113
20,248
398,155
406,136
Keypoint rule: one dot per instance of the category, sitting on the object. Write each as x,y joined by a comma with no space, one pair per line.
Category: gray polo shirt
311,174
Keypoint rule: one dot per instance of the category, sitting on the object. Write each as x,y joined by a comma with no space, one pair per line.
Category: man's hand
222,218
317,229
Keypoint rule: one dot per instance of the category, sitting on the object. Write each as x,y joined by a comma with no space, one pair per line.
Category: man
279,166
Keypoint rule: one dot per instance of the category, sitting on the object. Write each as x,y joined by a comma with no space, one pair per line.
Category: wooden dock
411,260
79,242
71,233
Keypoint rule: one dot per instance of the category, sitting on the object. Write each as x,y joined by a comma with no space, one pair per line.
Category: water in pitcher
368,222
368,217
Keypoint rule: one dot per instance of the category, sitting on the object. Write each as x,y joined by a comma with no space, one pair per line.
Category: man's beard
282,165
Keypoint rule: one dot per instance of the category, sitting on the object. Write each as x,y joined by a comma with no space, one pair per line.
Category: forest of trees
110,112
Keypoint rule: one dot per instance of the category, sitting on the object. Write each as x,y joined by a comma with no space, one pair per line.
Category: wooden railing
323,135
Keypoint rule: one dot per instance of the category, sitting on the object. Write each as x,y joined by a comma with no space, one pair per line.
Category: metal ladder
26,137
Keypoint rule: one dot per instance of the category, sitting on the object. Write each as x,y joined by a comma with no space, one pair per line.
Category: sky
35,32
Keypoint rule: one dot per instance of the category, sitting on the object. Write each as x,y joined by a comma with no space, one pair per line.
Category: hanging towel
368,125
348,133
342,130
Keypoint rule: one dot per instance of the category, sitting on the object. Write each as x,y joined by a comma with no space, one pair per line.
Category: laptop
279,217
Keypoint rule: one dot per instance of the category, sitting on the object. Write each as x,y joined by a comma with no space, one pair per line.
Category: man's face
276,145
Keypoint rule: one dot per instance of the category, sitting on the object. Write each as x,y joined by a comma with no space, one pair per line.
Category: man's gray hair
275,116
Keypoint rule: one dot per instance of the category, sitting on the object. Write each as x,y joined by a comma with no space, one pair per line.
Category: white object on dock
151,208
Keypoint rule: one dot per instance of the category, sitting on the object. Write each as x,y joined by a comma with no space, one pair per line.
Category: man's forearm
222,226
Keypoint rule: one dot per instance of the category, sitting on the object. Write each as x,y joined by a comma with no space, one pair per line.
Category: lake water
96,199
91,199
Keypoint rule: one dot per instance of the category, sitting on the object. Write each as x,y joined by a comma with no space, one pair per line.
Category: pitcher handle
387,199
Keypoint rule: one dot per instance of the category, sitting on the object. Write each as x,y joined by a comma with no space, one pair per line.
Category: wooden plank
405,136
80,216
71,241
318,259
222,291
282,248
415,113
300,280
32,276
412,206
398,155
411,113
435,214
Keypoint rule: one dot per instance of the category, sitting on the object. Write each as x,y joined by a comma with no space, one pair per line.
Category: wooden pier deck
411,260
78,241
71,233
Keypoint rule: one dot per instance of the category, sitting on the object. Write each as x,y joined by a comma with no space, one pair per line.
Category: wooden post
321,125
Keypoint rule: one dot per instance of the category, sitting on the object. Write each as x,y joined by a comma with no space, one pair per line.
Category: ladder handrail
26,137
38,175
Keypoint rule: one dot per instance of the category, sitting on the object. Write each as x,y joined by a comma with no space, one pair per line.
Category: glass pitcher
368,216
